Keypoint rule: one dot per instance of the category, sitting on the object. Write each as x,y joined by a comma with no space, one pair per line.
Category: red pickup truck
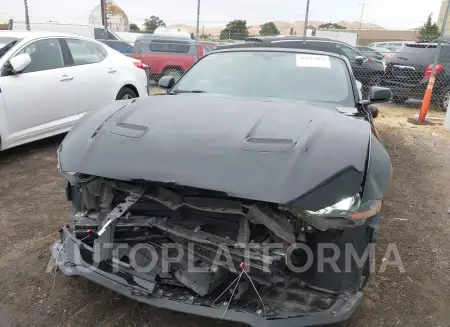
169,55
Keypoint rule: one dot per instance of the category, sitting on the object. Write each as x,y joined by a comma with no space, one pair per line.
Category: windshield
284,75
6,43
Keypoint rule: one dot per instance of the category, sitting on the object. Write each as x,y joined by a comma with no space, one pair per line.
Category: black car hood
274,151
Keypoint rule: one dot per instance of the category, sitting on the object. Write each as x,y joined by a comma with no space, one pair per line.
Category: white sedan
48,81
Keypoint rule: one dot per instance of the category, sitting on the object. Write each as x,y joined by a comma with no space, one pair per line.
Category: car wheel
444,99
125,94
398,99
176,73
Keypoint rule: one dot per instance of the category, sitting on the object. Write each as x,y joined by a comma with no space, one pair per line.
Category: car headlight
349,204
352,208
72,177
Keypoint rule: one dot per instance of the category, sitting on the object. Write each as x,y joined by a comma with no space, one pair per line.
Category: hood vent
267,144
129,130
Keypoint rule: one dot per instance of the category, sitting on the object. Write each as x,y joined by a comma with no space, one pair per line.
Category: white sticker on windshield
308,60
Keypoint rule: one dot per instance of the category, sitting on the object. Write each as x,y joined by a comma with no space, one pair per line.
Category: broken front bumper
66,255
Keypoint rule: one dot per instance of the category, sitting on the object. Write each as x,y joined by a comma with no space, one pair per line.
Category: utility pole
198,27
198,21
305,29
362,13
103,13
27,16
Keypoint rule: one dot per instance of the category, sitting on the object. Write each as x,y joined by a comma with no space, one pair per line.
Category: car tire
175,72
442,100
398,99
126,93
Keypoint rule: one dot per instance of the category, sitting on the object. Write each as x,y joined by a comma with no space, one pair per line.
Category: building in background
366,37
117,18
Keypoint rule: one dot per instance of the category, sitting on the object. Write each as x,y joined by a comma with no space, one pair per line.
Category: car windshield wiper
189,91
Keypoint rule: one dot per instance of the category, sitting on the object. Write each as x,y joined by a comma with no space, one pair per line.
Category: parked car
375,53
96,32
409,70
48,81
268,146
126,49
169,55
129,37
368,71
121,46
391,45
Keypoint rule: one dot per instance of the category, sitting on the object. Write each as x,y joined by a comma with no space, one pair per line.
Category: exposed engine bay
206,248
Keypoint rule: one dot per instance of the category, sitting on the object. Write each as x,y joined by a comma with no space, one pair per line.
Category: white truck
96,32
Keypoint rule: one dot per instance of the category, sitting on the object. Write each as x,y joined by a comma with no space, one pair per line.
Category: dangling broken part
213,252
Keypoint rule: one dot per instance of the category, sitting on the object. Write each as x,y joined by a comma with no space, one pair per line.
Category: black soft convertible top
290,42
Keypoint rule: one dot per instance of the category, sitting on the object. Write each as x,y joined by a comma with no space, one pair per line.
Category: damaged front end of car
203,252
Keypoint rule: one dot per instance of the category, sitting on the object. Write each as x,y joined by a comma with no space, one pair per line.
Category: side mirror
360,59
20,62
166,82
378,94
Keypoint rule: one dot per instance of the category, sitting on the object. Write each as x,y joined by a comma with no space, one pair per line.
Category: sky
401,14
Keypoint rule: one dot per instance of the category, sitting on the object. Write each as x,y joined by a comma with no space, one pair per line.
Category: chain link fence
403,65
407,71
169,55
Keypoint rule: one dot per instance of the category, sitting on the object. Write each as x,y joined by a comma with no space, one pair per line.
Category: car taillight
139,64
439,68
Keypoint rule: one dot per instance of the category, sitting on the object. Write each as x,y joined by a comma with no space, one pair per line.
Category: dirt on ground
33,207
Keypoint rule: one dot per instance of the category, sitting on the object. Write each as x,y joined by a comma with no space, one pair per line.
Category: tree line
239,30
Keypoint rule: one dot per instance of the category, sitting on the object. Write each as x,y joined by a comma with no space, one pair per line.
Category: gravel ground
33,207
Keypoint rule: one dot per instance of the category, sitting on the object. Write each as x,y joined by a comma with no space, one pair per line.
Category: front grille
405,74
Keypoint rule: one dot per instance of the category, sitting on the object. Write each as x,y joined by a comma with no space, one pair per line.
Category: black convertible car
235,195
368,70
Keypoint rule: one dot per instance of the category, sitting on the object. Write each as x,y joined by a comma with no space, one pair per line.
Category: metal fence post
305,29
447,119
429,91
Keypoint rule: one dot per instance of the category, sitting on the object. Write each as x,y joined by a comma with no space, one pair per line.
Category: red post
426,100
